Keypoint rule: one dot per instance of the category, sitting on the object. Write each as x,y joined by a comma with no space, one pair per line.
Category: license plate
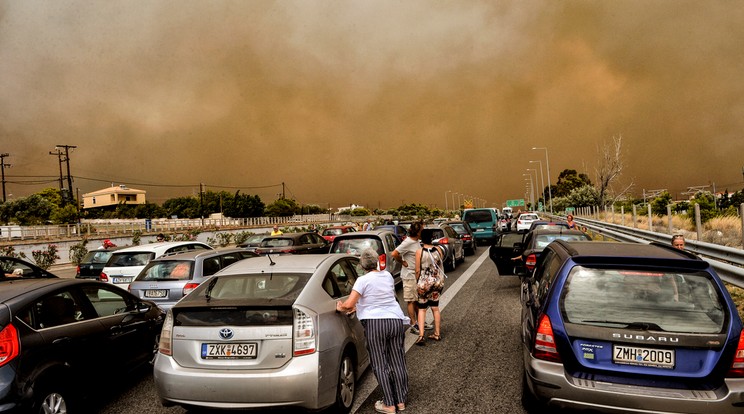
242,350
480,229
647,357
158,293
122,280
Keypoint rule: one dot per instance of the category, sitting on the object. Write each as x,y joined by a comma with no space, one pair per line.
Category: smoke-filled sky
369,102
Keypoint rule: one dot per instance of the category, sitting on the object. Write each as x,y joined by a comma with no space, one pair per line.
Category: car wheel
530,403
346,388
51,399
451,263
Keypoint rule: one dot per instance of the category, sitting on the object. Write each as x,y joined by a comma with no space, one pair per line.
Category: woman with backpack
430,283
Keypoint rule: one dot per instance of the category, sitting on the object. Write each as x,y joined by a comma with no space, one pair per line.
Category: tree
610,166
184,207
244,205
707,203
569,180
660,203
282,207
27,211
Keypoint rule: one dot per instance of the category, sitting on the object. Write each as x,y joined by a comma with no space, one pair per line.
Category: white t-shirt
407,250
378,301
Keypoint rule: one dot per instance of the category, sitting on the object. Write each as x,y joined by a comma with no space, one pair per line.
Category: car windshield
651,300
276,242
478,216
356,245
528,217
167,270
130,259
542,240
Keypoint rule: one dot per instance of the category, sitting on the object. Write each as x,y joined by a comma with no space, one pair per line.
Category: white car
125,264
524,221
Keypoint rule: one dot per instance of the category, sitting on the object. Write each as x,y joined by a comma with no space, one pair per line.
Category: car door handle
62,340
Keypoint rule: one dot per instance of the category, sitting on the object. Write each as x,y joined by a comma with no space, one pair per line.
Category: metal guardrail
727,261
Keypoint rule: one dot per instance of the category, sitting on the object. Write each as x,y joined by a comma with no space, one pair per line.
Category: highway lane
476,368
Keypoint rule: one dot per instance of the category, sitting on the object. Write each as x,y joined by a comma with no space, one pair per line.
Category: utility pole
2,167
59,154
67,160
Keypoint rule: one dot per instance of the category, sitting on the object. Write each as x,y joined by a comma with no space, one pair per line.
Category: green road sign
570,209
515,203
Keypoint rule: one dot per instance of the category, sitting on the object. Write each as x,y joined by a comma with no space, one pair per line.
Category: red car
330,233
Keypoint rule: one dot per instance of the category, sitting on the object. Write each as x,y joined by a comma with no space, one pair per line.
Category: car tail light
443,240
530,262
189,287
545,341
104,277
9,344
77,270
466,237
304,333
383,261
165,346
737,367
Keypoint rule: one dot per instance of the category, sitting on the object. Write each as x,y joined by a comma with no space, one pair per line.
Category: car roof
600,252
301,263
556,230
363,234
159,247
288,235
15,288
194,254
345,226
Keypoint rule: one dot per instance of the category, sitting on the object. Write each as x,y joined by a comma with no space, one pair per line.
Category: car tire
52,397
451,263
346,388
530,403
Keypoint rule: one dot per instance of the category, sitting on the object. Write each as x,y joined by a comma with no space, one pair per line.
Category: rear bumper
295,384
550,384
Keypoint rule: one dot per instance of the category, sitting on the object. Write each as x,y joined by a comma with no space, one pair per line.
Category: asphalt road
476,368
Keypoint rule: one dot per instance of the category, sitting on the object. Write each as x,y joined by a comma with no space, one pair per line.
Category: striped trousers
385,343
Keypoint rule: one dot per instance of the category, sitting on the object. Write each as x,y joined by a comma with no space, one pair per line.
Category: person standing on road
571,223
405,254
373,299
429,263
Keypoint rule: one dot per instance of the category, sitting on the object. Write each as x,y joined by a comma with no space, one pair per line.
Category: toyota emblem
226,333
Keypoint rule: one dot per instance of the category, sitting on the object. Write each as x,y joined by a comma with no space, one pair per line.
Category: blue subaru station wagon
622,327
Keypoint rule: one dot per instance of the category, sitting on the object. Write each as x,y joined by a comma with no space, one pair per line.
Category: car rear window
332,232
460,228
130,259
97,257
478,216
356,245
432,234
252,287
652,300
276,243
543,240
167,270
528,217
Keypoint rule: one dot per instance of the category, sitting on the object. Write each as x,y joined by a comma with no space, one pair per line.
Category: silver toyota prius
264,332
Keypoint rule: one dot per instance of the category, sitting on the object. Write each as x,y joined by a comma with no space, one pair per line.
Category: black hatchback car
93,263
62,338
293,243
466,234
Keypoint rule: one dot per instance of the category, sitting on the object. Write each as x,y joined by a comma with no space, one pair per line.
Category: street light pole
547,164
537,194
532,190
542,182
2,168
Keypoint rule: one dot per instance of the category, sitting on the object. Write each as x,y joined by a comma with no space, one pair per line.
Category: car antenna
272,262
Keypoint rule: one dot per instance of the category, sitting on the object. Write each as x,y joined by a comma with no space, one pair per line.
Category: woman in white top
373,299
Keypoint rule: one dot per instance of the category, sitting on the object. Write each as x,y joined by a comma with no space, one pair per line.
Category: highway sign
515,203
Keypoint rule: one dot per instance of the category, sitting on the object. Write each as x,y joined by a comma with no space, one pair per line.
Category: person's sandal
420,341
435,337
401,407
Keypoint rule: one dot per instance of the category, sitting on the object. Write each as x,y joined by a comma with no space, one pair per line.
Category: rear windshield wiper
647,326
208,293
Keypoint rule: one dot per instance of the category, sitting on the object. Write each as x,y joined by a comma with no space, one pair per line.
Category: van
484,222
